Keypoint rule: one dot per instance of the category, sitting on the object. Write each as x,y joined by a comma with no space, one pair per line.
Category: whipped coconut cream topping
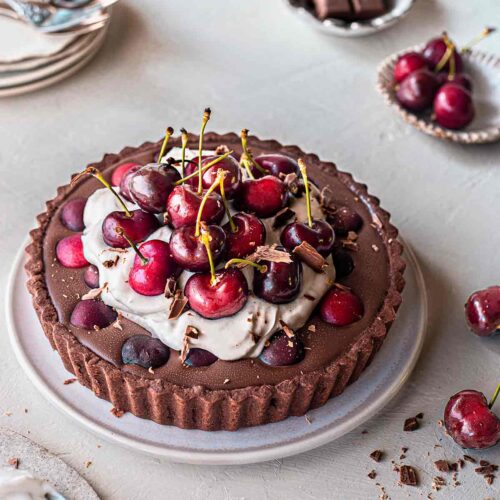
239,336
16,484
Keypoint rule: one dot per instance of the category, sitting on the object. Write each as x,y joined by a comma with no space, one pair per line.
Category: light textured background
258,66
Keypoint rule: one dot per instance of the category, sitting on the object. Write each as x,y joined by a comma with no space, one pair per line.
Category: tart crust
198,407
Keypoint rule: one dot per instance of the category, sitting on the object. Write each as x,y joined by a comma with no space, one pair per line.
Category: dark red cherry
250,233
137,227
190,253
345,219
72,214
341,307
183,206
199,357
434,52
151,185
281,281
482,311
92,314
91,277
264,197
144,351
69,252
320,236
125,182
470,422
120,171
343,263
462,79
223,298
453,106
150,277
407,64
416,92
277,165
282,350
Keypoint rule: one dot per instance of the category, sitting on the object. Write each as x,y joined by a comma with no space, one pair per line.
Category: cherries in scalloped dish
482,311
341,307
144,351
408,63
92,314
453,106
282,350
69,252
72,214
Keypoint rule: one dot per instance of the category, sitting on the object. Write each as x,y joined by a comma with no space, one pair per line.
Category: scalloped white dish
484,69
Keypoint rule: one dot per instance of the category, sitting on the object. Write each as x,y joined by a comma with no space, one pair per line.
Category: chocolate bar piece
338,9
368,9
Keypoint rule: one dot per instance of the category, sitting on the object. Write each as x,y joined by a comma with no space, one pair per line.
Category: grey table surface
259,67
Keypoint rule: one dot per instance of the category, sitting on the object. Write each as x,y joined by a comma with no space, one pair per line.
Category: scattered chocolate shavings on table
411,424
177,305
372,474
69,381
311,257
442,465
269,253
170,288
489,478
377,455
87,464
95,293
438,482
408,475
486,469
482,463
14,462
470,459
116,412
282,217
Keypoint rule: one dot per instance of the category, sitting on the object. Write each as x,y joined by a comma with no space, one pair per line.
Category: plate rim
203,457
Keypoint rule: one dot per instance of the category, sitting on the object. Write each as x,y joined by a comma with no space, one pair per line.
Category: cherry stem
121,232
168,134
494,398
204,169
184,136
303,171
451,48
446,56
486,32
206,117
223,174
205,239
209,191
247,158
260,267
96,174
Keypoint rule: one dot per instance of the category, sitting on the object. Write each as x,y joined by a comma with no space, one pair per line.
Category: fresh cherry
248,234
264,197
341,307
343,263
469,420
282,350
120,171
345,219
72,214
277,165
152,267
189,251
69,252
453,106
278,282
144,351
219,295
91,277
417,90
434,52
408,63
151,185
482,311
199,357
125,182
91,314
137,227
462,79
184,203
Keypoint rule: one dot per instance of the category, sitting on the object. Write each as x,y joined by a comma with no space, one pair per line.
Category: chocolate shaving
177,305
270,254
411,424
288,331
311,257
309,297
486,469
14,462
69,381
349,245
482,463
311,328
377,455
292,182
282,217
442,465
116,412
408,475
419,415
190,333
438,482
372,474
468,458
489,478
221,149
111,263
170,288
95,293
326,200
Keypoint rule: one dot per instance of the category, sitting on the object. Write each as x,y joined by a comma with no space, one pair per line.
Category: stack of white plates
31,60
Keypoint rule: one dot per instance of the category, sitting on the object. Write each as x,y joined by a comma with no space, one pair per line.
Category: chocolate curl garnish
269,253
170,288
190,333
177,305
95,293
292,182
288,331
282,217
311,257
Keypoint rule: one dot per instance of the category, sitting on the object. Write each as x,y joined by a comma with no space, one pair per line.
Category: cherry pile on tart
215,282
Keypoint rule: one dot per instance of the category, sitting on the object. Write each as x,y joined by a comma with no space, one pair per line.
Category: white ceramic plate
337,27
43,465
381,381
485,72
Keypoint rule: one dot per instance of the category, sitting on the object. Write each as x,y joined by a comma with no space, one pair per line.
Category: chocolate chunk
269,253
408,475
486,469
411,424
489,478
282,217
177,305
170,288
377,455
338,9
368,9
14,462
468,458
442,465
372,474
419,415
311,257
482,463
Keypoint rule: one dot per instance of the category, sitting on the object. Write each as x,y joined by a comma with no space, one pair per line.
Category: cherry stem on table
208,192
121,232
168,134
206,117
494,398
204,169
205,239
184,136
303,171
486,32
260,267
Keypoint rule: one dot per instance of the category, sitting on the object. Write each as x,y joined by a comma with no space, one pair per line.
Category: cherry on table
125,182
408,63
417,90
72,214
138,226
470,421
144,351
121,170
275,164
434,52
197,357
91,276
248,234
264,197
282,350
453,106
69,252
482,311
341,307
91,314
345,219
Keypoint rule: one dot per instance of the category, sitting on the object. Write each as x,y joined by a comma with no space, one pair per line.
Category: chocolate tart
226,395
